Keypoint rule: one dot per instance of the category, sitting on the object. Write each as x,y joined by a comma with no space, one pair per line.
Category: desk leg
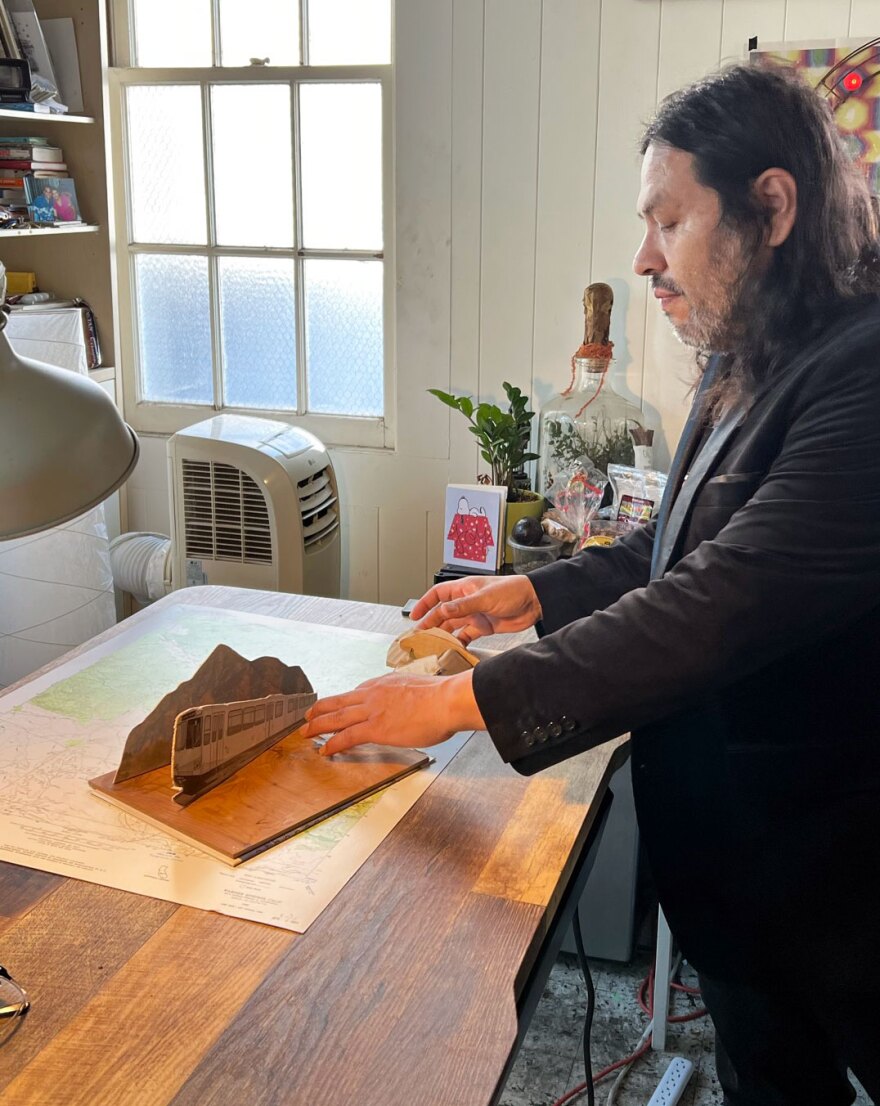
662,966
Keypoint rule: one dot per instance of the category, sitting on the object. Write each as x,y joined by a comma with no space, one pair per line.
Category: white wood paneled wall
516,131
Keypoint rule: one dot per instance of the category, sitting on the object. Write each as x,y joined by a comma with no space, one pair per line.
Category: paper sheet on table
70,725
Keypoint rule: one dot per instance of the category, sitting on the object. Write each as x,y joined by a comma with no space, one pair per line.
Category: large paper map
70,725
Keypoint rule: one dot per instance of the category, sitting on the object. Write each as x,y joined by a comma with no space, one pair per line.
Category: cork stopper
598,301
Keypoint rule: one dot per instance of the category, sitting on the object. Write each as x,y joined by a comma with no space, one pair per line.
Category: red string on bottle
594,351
593,396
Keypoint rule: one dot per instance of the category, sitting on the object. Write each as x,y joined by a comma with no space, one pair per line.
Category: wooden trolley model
213,741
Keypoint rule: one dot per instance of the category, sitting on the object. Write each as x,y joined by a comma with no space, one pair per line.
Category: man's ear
776,191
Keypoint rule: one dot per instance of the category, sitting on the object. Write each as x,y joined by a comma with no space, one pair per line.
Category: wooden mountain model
228,738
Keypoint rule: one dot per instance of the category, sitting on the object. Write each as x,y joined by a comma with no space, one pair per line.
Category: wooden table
406,990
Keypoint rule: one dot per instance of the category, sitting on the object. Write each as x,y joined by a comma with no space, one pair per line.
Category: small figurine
429,653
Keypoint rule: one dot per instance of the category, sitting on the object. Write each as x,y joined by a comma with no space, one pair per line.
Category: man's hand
477,606
412,711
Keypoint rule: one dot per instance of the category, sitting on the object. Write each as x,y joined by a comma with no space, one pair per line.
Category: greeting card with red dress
473,526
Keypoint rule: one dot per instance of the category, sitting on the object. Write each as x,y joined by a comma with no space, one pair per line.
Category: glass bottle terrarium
588,421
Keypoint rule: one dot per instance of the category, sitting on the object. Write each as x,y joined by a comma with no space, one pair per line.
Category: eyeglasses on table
14,1004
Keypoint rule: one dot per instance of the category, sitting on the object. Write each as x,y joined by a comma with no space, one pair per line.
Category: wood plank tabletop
402,992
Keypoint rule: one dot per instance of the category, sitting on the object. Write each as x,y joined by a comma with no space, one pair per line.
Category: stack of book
35,184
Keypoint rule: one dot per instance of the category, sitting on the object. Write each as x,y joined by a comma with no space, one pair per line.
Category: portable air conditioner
254,504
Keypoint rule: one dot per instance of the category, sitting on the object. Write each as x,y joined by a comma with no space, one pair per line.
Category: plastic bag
637,493
576,494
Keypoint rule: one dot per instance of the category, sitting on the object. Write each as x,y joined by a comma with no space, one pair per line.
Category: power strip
671,1086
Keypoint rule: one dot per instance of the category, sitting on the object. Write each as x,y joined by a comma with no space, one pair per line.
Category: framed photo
51,200
473,526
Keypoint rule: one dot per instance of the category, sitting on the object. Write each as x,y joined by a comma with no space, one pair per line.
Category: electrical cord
645,996
643,1046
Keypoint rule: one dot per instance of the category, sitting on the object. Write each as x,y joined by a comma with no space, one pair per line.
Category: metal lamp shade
63,445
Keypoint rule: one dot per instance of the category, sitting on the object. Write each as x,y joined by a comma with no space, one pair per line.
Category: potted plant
503,437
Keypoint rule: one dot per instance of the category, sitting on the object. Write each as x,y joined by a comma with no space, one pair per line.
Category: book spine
31,153
14,178
38,109
28,166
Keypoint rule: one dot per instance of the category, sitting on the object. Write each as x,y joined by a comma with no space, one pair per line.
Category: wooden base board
283,791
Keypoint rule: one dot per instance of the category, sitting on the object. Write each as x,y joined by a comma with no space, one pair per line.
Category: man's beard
716,320
705,328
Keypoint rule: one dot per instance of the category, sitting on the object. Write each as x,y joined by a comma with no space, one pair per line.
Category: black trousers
788,953
787,1043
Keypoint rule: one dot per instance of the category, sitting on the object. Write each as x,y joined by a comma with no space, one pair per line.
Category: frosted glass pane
253,165
341,166
344,336
172,32
258,332
259,29
174,328
166,164
349,32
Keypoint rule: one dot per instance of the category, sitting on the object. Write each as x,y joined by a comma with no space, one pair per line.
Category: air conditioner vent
226,517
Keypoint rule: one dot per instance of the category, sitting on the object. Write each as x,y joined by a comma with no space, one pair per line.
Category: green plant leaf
459,403
503,436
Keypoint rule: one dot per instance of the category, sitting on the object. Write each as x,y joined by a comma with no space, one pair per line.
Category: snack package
576,494
637,493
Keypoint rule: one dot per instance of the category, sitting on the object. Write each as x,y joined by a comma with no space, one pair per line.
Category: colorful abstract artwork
849,77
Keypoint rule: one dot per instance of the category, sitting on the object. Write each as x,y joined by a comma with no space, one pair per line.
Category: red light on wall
852,82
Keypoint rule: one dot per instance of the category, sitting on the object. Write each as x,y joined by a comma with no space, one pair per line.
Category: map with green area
138,675
70,725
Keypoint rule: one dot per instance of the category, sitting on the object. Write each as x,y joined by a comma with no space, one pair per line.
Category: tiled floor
550,1061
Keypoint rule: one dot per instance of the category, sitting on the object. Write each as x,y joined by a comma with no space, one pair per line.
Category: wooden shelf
18,231
102,373
72,261
44,116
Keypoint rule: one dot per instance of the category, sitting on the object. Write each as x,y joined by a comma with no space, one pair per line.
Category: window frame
166,418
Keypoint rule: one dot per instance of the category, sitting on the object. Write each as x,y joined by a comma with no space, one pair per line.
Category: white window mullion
134,326
304,32
208,147
389,278
216,339
213,277
216,39
302,369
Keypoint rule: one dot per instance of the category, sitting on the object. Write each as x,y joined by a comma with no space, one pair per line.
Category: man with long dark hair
737,637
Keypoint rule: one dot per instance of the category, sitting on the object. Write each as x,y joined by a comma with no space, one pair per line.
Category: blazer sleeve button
555,729
568,724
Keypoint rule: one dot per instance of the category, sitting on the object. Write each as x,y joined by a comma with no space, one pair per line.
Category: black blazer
738,639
